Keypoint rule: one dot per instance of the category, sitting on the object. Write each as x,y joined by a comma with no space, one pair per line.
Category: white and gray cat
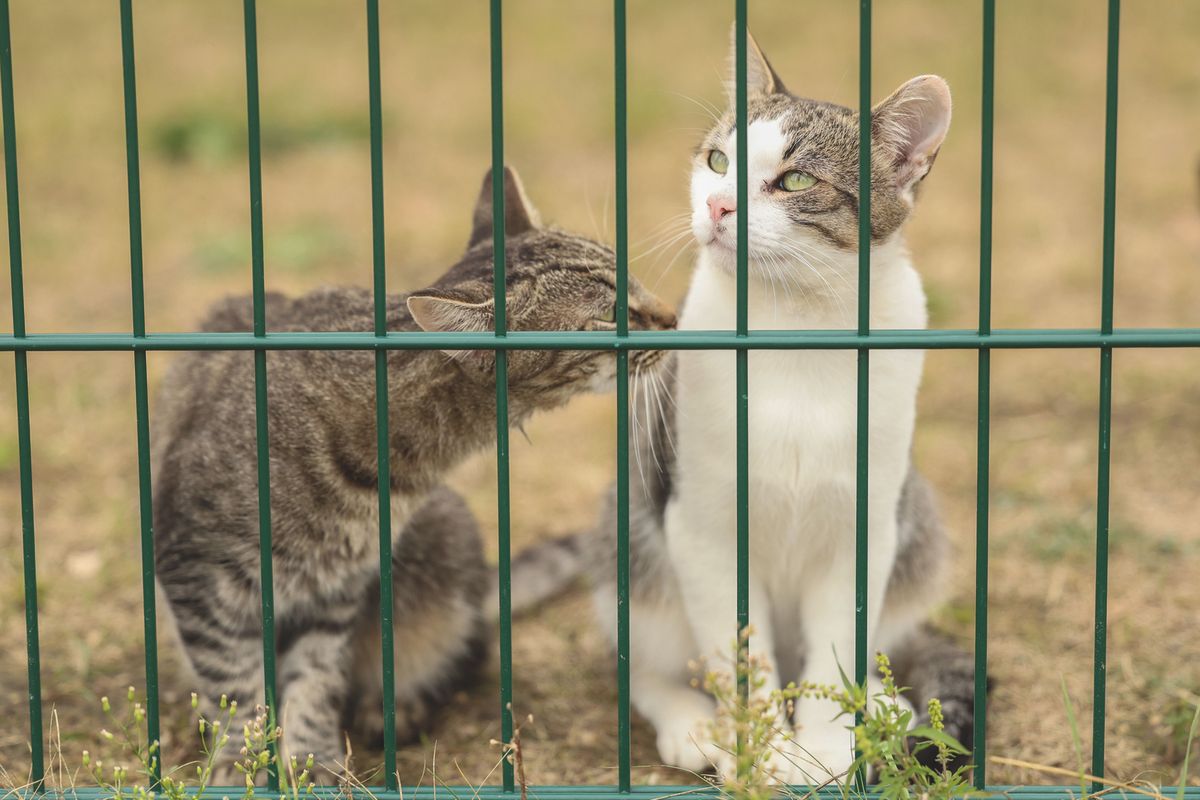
803,228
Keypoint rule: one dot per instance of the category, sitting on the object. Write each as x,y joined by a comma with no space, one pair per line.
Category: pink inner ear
920,112
425,313
445,314
930,133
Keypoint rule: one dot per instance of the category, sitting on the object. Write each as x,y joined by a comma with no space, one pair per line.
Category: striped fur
324,497
542,572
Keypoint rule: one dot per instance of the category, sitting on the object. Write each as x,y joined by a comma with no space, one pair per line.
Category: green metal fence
863,340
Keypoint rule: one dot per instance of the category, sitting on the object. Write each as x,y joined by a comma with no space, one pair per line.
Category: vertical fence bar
502,491
863,383
621,314
37,767
742,370
983,430
383,440
1104,453
260,372
1100,658
864,355
141,392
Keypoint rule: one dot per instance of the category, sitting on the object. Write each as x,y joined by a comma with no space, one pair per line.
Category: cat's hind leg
439,578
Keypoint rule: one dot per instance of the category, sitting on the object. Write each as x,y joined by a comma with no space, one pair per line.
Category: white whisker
708,108
638,388
659,390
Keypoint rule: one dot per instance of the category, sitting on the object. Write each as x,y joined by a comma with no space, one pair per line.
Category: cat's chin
719,255
718,244
602,383
717,252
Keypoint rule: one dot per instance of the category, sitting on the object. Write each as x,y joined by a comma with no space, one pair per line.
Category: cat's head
555,281
803,171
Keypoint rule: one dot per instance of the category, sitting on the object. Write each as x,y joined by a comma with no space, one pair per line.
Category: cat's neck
439,414
820,292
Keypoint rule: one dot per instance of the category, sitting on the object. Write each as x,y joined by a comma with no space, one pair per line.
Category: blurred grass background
558,102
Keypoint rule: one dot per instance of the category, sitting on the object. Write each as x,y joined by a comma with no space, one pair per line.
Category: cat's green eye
609,316
718,162
796,181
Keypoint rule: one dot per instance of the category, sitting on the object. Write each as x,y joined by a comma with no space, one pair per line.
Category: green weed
260,738
887,742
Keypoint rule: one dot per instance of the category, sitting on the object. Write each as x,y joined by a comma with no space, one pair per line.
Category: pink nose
719,207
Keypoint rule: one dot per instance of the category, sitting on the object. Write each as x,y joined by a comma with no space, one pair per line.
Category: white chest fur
802,413
803,569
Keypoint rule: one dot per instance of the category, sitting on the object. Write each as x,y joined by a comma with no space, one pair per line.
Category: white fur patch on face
764,156
774,238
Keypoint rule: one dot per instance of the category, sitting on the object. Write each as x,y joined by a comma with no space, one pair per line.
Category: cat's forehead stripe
767,144
798,117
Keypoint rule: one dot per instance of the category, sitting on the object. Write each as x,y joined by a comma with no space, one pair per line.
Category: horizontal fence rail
1105,339
1000,339
637,792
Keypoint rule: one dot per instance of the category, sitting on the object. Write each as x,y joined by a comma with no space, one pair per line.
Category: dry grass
1049,150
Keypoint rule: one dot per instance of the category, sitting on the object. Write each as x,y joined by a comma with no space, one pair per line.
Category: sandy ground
1049,156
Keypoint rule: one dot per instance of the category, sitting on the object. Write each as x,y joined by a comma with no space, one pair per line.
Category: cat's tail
541,572
933,665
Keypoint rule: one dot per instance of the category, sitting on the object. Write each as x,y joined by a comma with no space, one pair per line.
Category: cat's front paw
685,744
820,752
776,763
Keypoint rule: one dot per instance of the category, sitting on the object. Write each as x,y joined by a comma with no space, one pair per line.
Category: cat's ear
437,310
911,125
519,214
761,77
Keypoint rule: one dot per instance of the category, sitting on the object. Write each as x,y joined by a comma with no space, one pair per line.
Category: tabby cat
324,500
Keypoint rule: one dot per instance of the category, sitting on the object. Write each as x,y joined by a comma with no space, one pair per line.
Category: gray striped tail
541,572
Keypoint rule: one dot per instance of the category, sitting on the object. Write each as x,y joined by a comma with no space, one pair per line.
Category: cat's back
205,390
204,415
327,308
